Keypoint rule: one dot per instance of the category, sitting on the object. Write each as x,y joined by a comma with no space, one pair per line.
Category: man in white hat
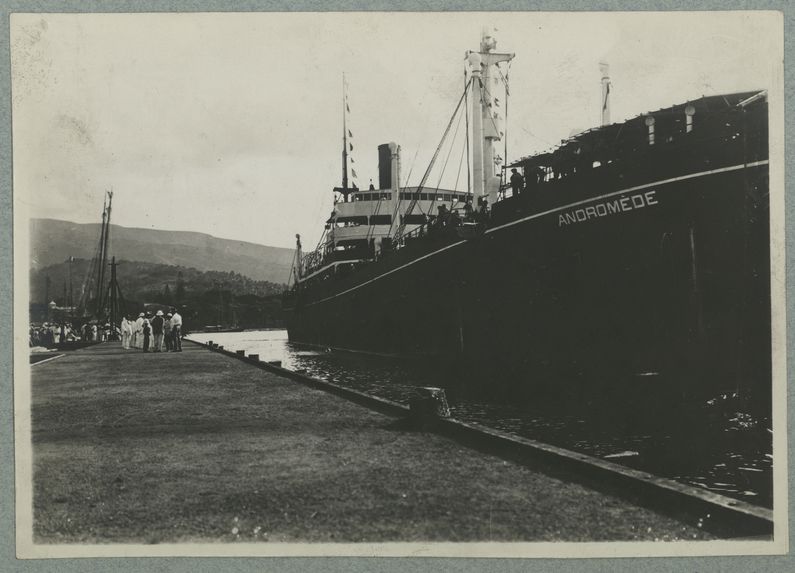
126,333
157,331
138,332
169,340
176,329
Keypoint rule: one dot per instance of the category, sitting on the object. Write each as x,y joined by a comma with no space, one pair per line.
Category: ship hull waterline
663,284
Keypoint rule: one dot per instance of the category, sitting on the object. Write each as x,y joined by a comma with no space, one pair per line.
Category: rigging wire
399,194
415,195
88,279
460,163
292,269
449,152
411,167
534,136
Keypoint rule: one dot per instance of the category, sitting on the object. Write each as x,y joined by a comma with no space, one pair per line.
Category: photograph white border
27,549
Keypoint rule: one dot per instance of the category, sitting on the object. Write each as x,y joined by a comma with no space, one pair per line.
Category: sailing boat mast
101,266
116,303
103,254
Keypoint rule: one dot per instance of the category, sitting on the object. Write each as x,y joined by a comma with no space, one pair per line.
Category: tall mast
344,137
485,120
101,266
104,253
477,128
71,297
116,303
605,70
113,299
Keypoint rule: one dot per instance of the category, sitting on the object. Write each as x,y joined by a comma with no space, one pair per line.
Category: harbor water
718,444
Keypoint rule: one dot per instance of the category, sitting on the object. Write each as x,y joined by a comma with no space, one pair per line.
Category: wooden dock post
428,405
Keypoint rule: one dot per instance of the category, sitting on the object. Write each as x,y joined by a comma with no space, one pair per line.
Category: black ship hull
652,276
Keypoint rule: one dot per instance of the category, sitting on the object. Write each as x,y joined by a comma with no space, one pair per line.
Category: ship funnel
388,166
384,166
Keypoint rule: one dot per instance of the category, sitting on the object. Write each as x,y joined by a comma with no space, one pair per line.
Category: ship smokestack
394,150
605,69
384,166
388,165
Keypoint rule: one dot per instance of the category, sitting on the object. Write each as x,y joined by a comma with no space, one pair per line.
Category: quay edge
716,513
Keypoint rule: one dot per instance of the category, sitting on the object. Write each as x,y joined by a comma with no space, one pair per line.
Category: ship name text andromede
606,208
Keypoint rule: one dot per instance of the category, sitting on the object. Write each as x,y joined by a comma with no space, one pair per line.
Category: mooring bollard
428,405
275,363
253,357
240,352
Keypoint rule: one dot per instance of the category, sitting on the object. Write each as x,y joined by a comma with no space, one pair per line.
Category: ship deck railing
434,229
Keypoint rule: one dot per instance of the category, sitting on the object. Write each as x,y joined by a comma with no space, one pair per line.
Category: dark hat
513,170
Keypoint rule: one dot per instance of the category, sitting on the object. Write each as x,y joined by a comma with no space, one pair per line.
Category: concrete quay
203,446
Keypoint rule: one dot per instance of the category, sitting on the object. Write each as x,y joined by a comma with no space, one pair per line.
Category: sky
231,124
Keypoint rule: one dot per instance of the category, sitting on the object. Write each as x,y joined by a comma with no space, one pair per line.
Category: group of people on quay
153,333
48,334
51,333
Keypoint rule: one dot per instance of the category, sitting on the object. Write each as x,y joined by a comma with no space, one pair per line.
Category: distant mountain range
53,241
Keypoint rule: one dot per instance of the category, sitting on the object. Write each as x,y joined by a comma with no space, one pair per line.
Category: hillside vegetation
204,297
53,241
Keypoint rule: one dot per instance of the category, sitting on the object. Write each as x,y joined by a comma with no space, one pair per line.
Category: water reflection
715,445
